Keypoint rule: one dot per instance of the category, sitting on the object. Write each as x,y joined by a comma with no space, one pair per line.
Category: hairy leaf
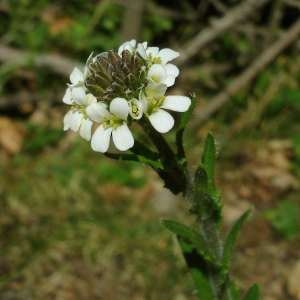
232,237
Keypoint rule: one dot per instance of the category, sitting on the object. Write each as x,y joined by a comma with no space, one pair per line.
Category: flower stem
173,174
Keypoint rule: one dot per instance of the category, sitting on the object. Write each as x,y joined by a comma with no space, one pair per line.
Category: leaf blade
232,237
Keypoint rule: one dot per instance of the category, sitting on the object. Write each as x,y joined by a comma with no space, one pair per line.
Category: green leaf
188,234
253,293
203,287
209,159
232,237
232,292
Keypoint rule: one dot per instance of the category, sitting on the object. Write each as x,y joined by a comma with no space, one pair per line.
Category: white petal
177,103
169,81
78,95
141,49
162,121
89,99
152,51
122,138
172,70
67,120
75,120
129,45
136,109
156,90
157,73
86,129
76,76
119,107
97,112
68,97
100,139
167,55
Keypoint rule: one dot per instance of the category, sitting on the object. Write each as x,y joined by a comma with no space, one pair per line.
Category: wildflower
112,123
76,118
155,104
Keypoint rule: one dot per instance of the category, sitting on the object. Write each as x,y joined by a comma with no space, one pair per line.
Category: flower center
155,103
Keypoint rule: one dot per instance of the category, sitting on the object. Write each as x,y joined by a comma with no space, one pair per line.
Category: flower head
117,88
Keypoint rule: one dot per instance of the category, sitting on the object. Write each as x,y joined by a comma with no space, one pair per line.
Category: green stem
173,174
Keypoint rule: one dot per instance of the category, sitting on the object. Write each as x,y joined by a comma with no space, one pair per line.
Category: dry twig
204,37
249,74
56,62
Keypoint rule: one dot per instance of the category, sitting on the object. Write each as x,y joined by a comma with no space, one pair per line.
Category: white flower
76,118
77,121
161,71
155,55
112,123
165,74
155,103
129,45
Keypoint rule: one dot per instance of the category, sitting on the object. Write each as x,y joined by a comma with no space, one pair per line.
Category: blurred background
75,225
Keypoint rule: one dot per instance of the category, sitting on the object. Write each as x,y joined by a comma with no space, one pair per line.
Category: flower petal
141,49
97,111
89,99
167,55
129,45
156,90
100,139
177,103
172,70
157,73
76,76
86,129
78,95
68,97
122,138
75,120
169,81
119,107
152,51
67,120
162,121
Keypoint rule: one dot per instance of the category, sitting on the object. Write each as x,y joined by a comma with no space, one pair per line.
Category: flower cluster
117,88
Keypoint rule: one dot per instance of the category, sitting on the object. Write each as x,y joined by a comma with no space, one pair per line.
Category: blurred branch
132,19
294,3
55,62
249,74
232,17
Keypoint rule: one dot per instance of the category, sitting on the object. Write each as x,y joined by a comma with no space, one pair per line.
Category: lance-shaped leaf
198,268
232,237
253,293
209,160
191,236
204,290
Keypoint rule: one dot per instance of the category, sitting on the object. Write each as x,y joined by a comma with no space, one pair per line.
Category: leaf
209,159
232,237
253,293
203,287
232,292
190,235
